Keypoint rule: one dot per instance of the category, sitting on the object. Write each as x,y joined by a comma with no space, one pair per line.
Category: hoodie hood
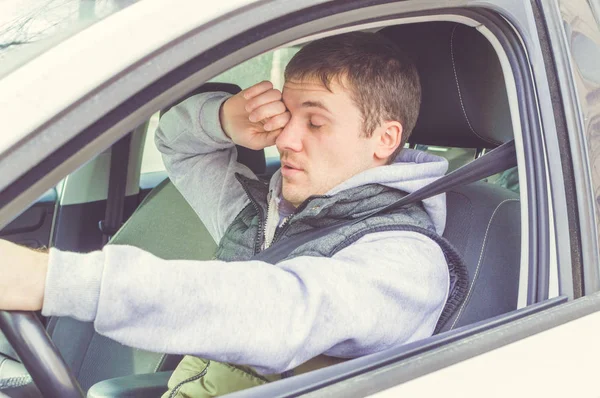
411,171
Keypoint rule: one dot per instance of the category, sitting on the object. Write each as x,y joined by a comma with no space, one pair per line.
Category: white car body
556,358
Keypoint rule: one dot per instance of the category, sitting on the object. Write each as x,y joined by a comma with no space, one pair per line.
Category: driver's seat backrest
156,226
483,223
465,105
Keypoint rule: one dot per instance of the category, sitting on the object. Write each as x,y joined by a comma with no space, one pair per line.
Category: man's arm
23,276
387,289
197,140
202,161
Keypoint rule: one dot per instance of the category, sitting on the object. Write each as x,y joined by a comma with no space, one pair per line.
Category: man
349,104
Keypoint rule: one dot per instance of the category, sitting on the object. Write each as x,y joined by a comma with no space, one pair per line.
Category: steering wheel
39,355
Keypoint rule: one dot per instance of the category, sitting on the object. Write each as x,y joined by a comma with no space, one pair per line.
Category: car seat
465,105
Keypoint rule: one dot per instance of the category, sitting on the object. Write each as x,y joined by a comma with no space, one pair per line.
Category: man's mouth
289,169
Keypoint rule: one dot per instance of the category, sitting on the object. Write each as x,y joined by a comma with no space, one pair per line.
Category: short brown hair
383,81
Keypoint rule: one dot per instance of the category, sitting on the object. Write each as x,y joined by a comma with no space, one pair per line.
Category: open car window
268,66
535,212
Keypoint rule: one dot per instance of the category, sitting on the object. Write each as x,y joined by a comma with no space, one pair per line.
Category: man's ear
389,136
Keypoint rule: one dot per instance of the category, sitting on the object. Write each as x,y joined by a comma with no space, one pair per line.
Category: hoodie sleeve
202,161
387,289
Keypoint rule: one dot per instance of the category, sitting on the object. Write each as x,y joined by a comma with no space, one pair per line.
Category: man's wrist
41,272
222,118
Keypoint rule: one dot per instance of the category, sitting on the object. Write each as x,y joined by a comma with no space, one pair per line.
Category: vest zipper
265,244
286,223
189,380
261,224
282,228
264,232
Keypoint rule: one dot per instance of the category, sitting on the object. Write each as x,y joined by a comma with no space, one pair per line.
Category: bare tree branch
12,43
37,22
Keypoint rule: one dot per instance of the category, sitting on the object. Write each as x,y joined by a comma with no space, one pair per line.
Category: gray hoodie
386,289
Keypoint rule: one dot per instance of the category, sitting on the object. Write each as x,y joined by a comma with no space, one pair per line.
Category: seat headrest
464,100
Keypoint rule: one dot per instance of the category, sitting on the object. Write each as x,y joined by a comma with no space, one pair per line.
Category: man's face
322,145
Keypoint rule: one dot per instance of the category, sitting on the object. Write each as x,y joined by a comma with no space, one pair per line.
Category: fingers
263,140
278,122
271,137
257,89
267,111
264,103
265,97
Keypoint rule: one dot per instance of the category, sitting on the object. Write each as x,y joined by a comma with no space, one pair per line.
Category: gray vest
244,237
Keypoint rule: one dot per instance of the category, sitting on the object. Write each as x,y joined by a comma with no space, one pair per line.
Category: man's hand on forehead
254,117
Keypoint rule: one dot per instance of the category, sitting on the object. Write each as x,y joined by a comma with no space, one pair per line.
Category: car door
32,227
557,273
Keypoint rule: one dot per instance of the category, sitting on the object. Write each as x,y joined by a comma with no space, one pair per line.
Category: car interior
465,112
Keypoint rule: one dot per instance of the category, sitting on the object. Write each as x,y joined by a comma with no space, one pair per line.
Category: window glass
30,27
268,66
151,158
508,179
456,157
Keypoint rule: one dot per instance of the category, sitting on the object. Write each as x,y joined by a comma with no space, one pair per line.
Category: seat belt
117,183
500,159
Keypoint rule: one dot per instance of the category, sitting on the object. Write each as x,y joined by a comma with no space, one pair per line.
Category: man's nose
290,138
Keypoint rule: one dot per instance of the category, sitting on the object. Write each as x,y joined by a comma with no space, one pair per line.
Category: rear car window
458,157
